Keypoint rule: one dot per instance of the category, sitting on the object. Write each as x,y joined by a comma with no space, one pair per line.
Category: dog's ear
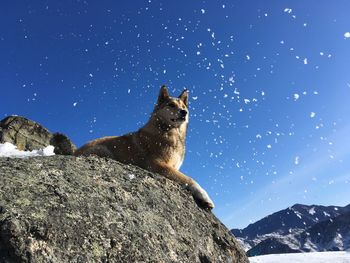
163,95
184,97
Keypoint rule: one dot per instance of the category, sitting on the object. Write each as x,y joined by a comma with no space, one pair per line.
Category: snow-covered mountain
300,228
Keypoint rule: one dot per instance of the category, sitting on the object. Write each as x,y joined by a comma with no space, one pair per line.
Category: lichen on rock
90,209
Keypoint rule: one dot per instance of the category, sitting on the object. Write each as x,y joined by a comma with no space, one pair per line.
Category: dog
159,146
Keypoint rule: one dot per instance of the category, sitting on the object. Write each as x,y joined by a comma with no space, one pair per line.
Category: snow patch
9,150
312,211
297,214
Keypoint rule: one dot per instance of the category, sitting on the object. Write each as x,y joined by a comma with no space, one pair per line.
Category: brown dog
159,146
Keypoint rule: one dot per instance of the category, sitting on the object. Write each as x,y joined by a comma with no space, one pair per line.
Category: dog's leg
197,191
201,195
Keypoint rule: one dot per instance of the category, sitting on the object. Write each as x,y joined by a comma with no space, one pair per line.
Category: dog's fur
159,146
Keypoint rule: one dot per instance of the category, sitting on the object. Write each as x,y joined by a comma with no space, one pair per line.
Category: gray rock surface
89,209
28,135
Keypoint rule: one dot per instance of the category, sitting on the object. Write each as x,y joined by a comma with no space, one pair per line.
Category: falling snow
296,160
267,98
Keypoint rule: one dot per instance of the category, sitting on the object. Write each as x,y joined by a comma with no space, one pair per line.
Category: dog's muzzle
182,116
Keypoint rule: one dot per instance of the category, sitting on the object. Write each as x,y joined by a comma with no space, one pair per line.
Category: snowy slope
315,257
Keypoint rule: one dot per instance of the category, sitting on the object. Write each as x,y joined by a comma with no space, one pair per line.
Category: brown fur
159,146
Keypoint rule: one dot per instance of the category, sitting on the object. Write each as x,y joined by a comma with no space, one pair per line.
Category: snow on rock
315,257
326,214
298,214
9,150
312,211
131,176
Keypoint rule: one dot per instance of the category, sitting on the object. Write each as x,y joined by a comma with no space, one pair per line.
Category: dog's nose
183,113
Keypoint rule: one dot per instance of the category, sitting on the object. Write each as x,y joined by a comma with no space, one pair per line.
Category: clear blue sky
269,83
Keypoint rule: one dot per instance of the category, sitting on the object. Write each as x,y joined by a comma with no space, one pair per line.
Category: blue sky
269,87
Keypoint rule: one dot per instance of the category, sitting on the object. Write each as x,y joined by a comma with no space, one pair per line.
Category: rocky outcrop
78,209
271,246
28,135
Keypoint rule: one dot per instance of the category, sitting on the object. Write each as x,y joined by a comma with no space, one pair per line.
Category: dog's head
172,111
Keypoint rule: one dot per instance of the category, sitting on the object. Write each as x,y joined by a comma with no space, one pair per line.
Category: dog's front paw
201,196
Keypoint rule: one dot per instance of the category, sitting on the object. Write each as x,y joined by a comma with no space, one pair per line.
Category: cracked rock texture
89,209
29,135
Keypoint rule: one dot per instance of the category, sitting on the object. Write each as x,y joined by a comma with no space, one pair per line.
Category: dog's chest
170,148
178,160
175,156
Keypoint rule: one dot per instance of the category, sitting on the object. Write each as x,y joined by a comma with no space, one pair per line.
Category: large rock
78,209
28,135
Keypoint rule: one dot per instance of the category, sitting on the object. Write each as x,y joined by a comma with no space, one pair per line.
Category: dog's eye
171,105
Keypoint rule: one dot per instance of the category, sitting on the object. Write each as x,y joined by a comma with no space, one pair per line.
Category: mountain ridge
296,229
